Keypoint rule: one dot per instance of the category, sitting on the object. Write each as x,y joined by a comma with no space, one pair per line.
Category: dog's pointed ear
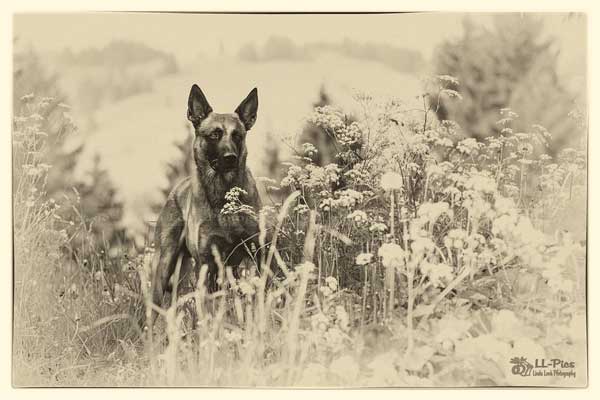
198,107
247,109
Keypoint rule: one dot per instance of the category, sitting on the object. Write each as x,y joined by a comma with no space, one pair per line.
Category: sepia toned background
99,105
127,75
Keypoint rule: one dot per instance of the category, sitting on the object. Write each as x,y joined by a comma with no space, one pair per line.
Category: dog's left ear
247,109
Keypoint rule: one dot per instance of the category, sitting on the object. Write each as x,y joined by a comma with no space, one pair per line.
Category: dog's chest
235,225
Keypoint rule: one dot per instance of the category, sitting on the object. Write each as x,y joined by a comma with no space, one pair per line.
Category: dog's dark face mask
220,139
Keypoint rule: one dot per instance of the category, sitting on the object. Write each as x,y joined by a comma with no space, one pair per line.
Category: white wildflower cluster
525,149
311,176
309,150
480,182
469,146
378,227
422,246
359,174
234,204
392,255
295,175
347,198
446,80
438,274
364,259
334,122
433,170
432,211
330,287
350,135
391,181
455,239
359,217
330,328
301,209
234,194
306,268
246,287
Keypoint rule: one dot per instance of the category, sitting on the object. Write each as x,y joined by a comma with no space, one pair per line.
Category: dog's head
220,139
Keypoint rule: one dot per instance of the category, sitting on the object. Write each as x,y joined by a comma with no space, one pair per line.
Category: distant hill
119,54
281,48
135,135
93,77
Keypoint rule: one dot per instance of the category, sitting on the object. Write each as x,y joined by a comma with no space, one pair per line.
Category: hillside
134,136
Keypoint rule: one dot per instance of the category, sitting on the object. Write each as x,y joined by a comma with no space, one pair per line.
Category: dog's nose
230,159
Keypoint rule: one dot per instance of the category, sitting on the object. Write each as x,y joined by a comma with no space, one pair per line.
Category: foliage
43,129
396,269
507,65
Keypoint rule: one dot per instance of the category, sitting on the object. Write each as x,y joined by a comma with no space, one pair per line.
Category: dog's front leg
169,229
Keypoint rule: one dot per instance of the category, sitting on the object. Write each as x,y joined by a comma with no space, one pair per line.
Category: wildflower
481,183
358,216
332,283
438,274
246,288
305,268
391,181
452,93
364,259
309,150
455,238
326,290
349,198
392,255
422,245
468,146
432,211
319,322
448,79
525,149
301,209
434,169
378,227
450,329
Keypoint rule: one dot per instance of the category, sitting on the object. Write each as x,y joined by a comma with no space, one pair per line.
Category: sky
187,34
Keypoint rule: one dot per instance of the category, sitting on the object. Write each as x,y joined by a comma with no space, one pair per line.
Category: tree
177,169
510,65
91,200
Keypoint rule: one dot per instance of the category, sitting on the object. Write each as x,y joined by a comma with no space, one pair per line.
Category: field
420,257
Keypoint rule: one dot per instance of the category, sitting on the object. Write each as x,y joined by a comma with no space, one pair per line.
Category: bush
511,64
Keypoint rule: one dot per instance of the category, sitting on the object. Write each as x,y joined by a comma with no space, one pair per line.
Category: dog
190,223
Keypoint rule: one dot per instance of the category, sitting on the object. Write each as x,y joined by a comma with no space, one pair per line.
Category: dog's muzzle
230,161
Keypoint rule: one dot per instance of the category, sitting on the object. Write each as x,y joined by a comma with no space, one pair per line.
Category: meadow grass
418,259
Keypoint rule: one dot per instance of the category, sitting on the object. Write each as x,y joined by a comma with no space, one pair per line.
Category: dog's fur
191,222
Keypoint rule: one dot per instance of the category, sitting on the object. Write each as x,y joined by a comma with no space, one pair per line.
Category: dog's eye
236,136
216,134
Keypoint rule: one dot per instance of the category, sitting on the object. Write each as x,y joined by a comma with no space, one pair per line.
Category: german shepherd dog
191,222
